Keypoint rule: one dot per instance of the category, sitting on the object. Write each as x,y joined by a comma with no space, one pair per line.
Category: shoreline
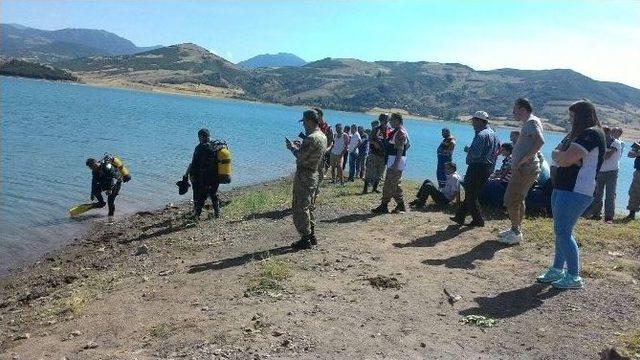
162,287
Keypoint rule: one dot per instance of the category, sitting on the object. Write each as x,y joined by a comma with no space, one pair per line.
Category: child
449,192
338,150
504,173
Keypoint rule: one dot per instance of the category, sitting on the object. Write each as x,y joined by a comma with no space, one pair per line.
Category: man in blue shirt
481,160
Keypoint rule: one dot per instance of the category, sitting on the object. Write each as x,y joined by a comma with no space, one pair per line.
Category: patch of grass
594,270
591,235
255,202
162,330
384,282
479,320
72,304
631,344
269,281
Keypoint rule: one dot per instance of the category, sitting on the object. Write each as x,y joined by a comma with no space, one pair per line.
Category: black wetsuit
204,176
106,178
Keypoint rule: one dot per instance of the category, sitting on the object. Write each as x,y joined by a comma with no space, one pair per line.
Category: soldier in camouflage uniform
376,158
308,155
396,160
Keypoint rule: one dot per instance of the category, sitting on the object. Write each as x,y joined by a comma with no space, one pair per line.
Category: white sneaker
501,234
511,238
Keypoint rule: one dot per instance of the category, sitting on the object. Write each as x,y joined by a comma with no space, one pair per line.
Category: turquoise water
49,129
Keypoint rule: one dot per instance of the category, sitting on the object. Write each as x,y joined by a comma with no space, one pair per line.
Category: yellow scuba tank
224,165
115,161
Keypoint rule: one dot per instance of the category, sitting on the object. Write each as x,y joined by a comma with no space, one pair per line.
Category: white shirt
613,163
339,144
452,186
354,141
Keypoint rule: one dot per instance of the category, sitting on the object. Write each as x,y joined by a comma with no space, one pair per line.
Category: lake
49,129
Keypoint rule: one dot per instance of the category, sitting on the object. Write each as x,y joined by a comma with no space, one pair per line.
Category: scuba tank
224,164
115,161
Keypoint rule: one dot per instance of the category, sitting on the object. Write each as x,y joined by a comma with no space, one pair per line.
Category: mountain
16,67
272,61
49,46
441,90
176,64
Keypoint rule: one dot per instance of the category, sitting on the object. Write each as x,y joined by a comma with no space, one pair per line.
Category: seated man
442,197
504,173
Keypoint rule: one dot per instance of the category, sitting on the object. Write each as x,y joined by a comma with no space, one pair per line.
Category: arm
571,156
537,145
633,153
609,153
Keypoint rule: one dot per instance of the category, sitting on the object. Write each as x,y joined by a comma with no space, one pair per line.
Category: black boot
632,215
366,188
417,203
302,244
312,239
375,187
400,208
382,209
216,208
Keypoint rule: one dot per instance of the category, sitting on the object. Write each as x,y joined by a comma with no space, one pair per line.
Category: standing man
354,143
397,159
481,160
525,168
376,158
363,151
634,189
104,177
203,171
328,133
445,155
308,155
607,179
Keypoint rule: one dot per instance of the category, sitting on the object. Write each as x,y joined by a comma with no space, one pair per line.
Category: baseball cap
482,115
310,115
203,132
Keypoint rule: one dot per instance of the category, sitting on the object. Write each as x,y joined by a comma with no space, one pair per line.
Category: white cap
482,115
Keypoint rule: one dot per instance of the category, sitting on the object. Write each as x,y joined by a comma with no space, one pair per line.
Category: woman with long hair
578,159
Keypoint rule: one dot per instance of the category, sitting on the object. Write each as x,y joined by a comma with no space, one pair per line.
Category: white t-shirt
452,186
613,163
354,141
339,142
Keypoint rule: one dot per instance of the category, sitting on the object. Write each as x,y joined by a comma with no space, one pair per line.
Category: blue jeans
353,157
567,207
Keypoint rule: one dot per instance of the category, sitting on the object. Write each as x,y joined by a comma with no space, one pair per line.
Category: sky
600,39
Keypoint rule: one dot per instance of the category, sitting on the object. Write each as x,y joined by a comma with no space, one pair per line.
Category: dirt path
232,288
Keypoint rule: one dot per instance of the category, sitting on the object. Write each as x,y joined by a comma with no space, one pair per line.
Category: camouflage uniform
306,180
392,181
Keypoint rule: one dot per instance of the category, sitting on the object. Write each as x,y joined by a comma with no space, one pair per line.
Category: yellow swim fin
80,209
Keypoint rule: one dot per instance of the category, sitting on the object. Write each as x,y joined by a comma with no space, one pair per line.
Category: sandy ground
158,286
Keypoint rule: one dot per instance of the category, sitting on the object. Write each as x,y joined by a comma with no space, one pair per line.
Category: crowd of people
584,173
584,164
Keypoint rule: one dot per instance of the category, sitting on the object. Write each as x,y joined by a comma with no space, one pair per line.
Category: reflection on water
49,129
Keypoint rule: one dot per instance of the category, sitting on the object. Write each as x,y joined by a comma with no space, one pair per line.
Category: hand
297,142
288,144
521,163
108,192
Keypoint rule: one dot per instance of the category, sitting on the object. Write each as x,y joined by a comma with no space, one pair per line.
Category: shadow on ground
512,303
350,218
268,215
431,240
240,260
482,251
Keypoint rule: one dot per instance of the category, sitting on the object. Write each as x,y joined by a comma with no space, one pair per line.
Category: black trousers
474,179
203,188
111,198
427,189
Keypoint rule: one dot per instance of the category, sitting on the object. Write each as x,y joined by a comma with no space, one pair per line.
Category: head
384,119
375,124
513,136
320,114
203,135
446,133
450,168
396,120
92,164
583,116
506,149
617,132
339,129
354,128
607,131
480,120
310,120
522,109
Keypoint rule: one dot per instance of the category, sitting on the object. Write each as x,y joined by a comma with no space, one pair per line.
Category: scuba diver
106,178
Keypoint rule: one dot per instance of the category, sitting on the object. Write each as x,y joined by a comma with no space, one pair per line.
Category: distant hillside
445,91
176,64
15,67
272,61
50,46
